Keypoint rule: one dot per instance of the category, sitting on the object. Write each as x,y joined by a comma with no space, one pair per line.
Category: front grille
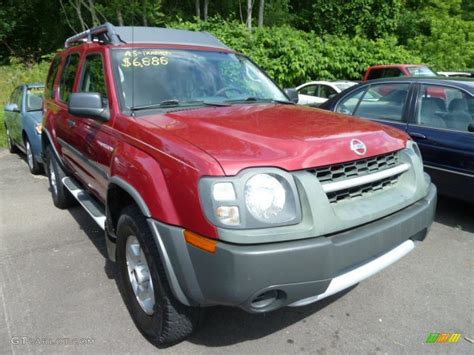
361,190
356,168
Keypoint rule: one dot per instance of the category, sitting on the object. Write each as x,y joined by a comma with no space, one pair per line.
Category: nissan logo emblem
358,147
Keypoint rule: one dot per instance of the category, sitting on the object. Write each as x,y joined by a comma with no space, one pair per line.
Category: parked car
463,74
396,70
212,187
23,117
438,114
315,93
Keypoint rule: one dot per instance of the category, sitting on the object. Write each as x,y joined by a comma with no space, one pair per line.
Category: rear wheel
62,198
144,285
11,146
33,165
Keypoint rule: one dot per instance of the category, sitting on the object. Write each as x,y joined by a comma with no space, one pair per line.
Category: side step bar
90,204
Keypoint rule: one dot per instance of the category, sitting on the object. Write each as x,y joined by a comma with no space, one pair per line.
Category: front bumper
263,277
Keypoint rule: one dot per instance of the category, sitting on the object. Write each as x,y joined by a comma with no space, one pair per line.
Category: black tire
35,167
171,321
62,198
11,146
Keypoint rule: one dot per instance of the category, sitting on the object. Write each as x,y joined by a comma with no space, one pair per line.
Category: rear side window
375,74
68,76
93,79
53,71
445,107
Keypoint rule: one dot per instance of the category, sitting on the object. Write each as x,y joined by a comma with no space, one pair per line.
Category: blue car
437,113
23,118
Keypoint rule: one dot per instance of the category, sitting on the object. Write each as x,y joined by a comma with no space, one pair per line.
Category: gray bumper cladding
264,277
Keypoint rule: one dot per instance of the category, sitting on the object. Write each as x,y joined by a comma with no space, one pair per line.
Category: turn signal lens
228,215
200,242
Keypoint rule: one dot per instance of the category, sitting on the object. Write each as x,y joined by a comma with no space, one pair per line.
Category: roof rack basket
103,33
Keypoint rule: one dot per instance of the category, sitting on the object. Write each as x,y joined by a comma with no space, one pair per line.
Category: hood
285,136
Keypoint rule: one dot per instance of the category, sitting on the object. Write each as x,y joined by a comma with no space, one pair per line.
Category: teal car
23,118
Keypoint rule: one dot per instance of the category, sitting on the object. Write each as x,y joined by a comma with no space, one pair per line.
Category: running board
90,204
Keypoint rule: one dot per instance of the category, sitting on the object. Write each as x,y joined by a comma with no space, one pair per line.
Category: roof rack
109,34
103,33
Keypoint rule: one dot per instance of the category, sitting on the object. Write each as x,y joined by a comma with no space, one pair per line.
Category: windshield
157,77
34,98
421,71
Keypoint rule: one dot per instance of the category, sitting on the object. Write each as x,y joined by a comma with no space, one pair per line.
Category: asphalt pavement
58,292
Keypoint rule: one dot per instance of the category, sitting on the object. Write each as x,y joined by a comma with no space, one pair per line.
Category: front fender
167,186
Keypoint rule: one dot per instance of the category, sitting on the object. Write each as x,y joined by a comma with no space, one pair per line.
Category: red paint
163,156
403,68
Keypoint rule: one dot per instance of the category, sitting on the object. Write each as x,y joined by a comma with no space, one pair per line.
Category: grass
13,75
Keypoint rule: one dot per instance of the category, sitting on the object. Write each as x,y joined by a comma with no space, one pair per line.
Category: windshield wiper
176,103
261,99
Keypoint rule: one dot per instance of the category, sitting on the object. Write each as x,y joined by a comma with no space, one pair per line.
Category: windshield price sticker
145,58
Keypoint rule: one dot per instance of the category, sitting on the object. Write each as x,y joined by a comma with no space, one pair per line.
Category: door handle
418,135
71,123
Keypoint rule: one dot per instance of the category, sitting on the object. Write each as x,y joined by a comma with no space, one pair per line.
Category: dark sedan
437,113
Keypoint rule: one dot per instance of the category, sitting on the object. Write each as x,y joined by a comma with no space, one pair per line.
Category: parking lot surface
58,292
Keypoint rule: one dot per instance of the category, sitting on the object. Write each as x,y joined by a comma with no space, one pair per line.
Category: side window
326,91
68,76
311,90
349,103
53,71
14,96
383,101
93,79
375,73
392,73
445,107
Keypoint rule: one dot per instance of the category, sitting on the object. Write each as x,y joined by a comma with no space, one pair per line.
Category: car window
93,79
421,71
375,73
14,97
349,103
445,107
392,73
34,99
53,71
311,90
68,76
383,101
326,91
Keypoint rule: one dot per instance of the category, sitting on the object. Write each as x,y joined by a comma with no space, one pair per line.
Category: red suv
212,187
396,70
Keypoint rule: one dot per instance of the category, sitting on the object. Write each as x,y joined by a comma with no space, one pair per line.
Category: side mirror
88,104
292,95
470,128
12,108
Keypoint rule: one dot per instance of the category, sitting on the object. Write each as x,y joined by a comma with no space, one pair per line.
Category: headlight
256,198
265,197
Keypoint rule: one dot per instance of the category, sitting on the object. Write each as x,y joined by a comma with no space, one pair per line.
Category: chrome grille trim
365,179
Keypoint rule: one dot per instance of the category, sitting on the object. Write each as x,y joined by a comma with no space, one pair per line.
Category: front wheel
33,165
161,318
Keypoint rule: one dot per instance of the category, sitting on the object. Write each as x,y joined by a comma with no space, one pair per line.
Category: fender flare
133,193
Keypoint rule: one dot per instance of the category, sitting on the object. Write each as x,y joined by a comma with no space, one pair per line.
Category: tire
35,167
11,146
163,320
62,198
